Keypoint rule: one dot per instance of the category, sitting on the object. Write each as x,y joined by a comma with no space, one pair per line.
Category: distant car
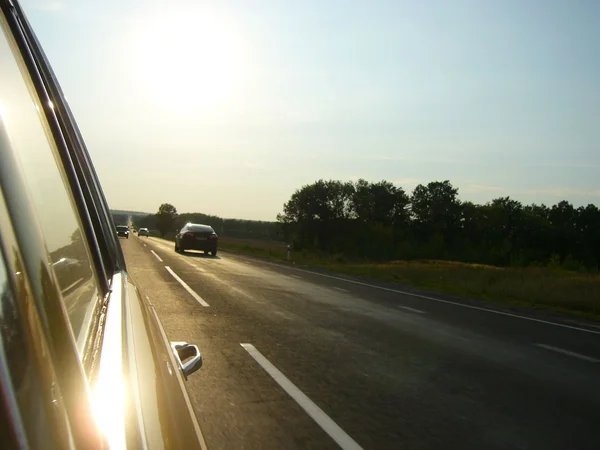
143,232
123,230
195,236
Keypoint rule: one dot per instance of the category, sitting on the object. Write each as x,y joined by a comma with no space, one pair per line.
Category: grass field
538,287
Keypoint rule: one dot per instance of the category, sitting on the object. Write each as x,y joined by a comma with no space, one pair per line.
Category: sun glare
187,60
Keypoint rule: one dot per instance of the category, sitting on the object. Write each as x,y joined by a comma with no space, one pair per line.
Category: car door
100,362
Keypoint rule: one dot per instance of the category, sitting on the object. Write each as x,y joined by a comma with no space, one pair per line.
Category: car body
143,232
123,230
196,236
84,360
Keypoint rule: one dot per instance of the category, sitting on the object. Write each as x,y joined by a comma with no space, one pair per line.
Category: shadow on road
199,254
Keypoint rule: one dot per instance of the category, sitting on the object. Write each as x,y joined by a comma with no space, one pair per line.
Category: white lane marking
296,276
144,245
317,414
411,309
187,288
157,257
341,289
433,299
568,353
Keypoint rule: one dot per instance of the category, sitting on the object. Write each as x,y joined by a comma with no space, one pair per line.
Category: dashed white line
317,414
296,276
341,289
187,288
439,300
418,311
144,245
568,353
157,257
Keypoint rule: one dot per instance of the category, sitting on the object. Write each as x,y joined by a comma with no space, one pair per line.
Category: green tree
436,214
165,218
564,228
381,203
316,214
378,220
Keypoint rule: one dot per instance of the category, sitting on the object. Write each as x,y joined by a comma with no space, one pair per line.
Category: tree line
381,221
168,220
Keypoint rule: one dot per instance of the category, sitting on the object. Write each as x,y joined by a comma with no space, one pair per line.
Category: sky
227,107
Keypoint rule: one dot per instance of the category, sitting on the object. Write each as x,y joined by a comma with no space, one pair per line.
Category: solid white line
187,288
411,309
439,300
341,289
569,353
317,414
157,257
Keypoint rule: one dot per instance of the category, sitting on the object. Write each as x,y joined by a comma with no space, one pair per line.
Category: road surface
295,359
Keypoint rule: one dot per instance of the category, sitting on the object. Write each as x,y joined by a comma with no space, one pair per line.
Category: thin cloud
416,159
477,188
407,182
562,165
563,192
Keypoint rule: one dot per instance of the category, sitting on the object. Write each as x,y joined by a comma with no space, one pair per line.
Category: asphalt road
328,362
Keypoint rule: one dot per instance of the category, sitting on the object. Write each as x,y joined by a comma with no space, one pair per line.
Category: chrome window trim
96,222
102,220
45,84
19,205
133,369
46,312
7,395
110,390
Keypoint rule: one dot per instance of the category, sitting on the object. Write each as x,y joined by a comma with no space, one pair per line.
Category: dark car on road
84,360
123,230
195,236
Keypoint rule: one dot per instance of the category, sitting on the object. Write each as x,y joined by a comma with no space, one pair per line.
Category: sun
186,60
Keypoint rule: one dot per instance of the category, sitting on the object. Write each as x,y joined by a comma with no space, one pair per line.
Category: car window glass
202,228
51,198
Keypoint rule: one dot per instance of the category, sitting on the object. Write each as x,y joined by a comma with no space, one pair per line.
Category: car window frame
83,180
80,179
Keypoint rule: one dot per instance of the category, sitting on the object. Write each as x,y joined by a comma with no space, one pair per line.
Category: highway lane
389,370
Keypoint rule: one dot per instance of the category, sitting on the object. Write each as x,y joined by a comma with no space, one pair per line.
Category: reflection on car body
68,271
84,361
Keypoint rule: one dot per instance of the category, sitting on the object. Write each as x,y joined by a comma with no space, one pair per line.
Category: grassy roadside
562,291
